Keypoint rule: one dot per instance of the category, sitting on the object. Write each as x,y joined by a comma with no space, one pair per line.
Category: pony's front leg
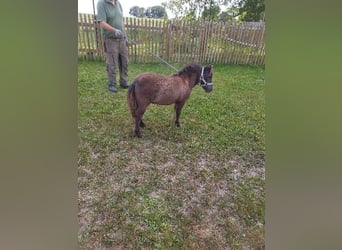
178,109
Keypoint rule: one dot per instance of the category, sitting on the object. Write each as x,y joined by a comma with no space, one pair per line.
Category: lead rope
165,62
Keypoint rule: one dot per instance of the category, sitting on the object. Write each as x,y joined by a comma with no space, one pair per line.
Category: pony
174,89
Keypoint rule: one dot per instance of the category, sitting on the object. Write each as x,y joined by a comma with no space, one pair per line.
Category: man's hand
118,33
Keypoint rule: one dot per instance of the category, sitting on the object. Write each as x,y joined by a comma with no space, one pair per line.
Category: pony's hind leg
137,128
138,120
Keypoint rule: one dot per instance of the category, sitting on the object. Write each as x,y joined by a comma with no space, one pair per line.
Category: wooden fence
179,41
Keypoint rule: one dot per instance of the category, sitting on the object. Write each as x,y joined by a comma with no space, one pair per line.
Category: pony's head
206,78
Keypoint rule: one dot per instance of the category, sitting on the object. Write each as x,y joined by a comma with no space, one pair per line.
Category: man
110,17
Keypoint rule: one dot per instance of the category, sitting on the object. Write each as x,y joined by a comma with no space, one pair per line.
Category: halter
203,82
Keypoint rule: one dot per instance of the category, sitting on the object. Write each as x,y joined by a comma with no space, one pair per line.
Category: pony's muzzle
208,88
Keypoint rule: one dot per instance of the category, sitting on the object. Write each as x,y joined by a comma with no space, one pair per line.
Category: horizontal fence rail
178,41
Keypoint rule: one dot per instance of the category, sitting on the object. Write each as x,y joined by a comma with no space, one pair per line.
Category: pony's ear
210,68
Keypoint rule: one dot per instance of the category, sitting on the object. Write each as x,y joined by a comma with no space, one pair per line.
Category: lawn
199,186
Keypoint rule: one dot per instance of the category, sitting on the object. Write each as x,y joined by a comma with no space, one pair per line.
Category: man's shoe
124,85
111,87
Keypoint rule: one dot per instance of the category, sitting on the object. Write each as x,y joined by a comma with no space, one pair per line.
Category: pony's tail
131,99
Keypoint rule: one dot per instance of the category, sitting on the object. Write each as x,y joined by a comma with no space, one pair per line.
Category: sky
86,6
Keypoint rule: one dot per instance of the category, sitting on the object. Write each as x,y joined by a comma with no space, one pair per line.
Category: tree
156,12
211,13
193,9
137,11
251,10
246,10
229,15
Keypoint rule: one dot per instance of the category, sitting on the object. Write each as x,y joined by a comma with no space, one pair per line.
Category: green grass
200,186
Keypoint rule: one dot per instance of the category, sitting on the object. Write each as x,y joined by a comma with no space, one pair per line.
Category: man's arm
109,28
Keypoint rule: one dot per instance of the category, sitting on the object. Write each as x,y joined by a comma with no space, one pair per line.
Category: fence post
204,42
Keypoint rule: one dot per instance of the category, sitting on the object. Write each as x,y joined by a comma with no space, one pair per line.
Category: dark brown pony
165,90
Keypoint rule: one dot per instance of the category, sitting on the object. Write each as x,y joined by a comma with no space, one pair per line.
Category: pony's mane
189,69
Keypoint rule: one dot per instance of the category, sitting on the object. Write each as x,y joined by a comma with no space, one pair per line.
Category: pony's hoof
137,135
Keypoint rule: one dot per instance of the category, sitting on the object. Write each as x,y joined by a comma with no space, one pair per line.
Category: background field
200,186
